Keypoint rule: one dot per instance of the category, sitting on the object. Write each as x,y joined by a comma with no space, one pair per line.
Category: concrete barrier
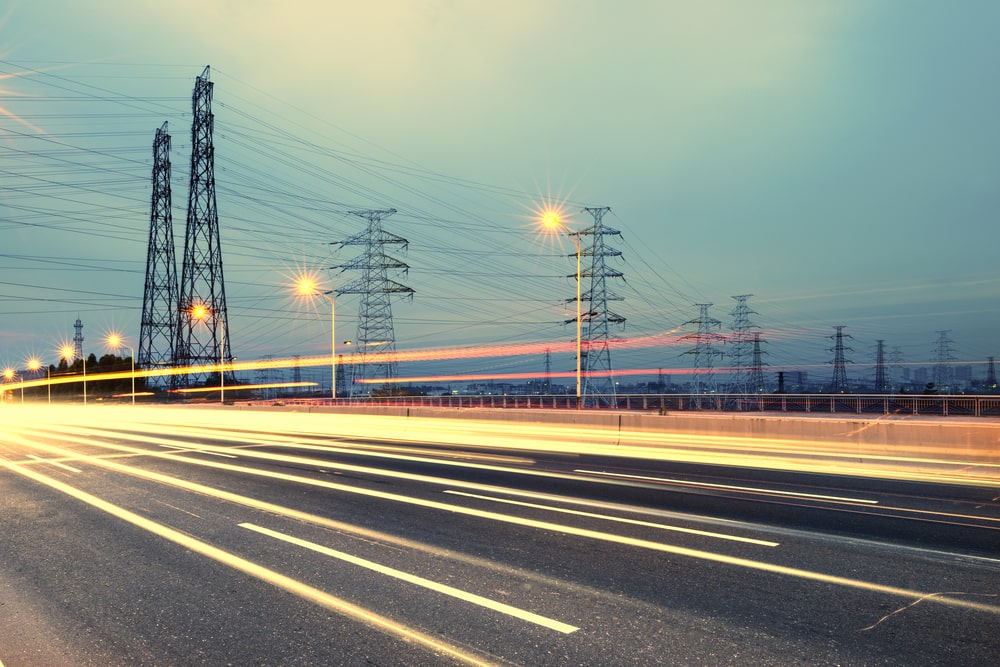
953,439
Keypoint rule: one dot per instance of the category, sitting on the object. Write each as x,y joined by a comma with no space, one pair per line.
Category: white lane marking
54,463
730,487
198,450
253,569
420,581
637,522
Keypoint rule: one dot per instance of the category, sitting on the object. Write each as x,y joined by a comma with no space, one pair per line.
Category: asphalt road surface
211,538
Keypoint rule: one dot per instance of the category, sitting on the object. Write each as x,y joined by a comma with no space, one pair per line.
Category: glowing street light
34,365
307,288
201,312
68,352
552,222
9,374
116,342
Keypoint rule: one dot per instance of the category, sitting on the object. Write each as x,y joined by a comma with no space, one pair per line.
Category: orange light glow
113,340
34,364
199,311
67,352
8,373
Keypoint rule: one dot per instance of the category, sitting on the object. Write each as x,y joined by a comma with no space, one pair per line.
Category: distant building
962,377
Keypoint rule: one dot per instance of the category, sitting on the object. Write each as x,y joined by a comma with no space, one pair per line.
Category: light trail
727,487
444,589
618,519
272,577
708,556
366,534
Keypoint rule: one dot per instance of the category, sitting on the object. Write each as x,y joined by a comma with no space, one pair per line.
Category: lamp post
306,287
116,342
550,220
200,311
9,374
68,352
34,365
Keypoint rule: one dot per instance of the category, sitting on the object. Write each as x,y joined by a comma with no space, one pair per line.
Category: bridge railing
943,405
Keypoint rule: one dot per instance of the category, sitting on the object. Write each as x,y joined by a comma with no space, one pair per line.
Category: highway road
140,536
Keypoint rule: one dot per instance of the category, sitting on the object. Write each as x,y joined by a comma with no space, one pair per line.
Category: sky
838,161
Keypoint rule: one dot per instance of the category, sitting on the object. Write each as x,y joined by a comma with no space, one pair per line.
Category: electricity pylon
942,362
703,350
839,385
881,382
202,317
376,342
599,383
158,327
741,346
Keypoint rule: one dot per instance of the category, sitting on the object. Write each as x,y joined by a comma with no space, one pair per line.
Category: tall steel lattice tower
598,378
881,379
158,328
741,346
839,384
703,350
78,339
942,362
376,340
202,318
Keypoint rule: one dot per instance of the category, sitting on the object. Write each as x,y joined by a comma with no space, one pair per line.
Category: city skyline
839,163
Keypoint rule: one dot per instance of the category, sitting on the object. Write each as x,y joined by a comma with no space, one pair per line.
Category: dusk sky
840,161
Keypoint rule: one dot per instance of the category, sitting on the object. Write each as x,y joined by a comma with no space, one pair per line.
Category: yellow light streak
746,563
238,387
459,594
272,577
727,487
618,519
105,461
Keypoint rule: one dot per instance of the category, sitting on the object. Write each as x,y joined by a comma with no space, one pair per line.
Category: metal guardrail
944,405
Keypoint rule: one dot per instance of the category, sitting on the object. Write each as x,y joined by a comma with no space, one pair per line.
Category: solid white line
420,581
54,463
637,522
687,482
253,569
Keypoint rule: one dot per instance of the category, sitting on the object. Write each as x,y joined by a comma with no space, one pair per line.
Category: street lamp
116,342
68,352
200,311
35,364
307,287
551,221
9,374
